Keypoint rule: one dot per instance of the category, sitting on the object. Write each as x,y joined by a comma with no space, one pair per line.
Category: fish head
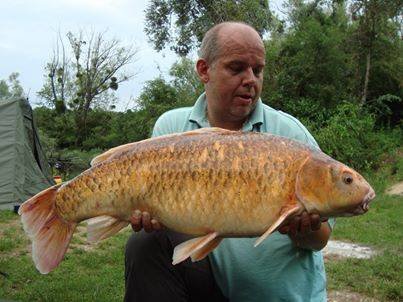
330,188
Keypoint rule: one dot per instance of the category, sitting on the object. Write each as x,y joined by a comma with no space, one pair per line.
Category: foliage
182,24
11,87
373,32
309,61
388,109
82,79
349,136
157,97
107,129
186,81
314,63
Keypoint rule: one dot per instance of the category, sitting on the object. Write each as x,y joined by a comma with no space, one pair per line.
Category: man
286,267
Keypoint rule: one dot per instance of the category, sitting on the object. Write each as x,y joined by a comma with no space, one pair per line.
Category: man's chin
241,113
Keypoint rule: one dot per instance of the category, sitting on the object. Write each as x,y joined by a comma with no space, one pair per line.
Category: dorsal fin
104,156
108,154
208,130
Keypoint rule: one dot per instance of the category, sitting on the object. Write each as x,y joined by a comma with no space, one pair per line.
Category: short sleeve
165,124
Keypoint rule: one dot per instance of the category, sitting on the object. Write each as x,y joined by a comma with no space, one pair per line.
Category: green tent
24,170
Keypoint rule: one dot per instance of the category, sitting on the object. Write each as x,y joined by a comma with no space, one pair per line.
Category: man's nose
249,77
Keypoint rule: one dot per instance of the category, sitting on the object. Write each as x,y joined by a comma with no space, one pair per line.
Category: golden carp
211,183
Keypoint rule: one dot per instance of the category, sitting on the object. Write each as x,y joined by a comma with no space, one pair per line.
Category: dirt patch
396,189
342,296
336,250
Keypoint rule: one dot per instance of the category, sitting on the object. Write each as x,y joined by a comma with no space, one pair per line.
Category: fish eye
347,179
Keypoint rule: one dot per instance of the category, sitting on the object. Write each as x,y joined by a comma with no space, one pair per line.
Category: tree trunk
365,90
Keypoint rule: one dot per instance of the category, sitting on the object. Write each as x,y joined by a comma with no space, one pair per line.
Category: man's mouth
245,99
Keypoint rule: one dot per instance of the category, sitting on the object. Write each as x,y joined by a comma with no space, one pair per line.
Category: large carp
211,183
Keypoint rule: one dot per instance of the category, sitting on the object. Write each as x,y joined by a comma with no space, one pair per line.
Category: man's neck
229,125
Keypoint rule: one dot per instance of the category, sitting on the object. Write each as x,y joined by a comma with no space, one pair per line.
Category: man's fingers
142,220
305,225
156,225
136,221
146,221
284,229
294,226
315,222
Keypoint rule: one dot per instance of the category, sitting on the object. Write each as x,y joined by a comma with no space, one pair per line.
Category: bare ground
343,296
396,189
336,250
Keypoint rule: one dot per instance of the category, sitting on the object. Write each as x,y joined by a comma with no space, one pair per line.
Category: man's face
235,78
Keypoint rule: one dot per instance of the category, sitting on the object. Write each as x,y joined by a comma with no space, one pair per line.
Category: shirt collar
198,114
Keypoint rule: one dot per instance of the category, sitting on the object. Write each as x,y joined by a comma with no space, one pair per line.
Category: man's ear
202,70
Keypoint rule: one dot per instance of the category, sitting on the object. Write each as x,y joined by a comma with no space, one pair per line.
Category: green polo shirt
275,270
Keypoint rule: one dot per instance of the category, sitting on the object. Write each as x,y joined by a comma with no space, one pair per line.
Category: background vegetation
336,65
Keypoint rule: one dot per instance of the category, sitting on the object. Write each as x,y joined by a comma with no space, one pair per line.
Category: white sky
29,30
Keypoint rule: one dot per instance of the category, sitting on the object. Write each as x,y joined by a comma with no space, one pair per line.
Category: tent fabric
24,170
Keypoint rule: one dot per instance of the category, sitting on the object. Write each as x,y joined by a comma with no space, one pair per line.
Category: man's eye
236,69
257,71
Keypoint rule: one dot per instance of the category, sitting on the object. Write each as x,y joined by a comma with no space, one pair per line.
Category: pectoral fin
196,246
285,213
204,251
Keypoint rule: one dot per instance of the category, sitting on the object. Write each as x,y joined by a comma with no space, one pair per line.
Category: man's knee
139,246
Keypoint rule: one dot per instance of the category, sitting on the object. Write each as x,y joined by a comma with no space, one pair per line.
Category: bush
350,137
72,162
311,113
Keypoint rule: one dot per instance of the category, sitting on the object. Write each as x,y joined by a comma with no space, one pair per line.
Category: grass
84,275
97,273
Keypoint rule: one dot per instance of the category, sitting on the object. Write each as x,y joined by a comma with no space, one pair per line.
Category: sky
29,30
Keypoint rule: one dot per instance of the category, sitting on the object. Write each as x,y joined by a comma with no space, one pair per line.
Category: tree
186,81
307,68
11,87
160,95
374,19
85,77
182,24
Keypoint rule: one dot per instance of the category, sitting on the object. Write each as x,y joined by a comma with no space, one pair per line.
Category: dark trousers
150,275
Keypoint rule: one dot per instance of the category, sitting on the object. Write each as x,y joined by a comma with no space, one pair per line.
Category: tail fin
49,233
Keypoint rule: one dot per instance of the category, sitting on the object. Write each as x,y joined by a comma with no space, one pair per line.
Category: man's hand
142,220
307,231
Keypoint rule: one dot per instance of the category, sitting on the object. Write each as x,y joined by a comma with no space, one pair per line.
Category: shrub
349,136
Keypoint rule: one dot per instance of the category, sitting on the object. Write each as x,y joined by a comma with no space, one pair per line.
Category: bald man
289,265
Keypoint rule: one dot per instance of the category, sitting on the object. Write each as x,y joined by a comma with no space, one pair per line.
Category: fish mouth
364,205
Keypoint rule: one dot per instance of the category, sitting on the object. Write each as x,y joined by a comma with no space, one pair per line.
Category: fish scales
188,182
211,183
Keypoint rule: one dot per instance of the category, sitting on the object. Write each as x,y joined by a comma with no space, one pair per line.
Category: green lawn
97,274
84,275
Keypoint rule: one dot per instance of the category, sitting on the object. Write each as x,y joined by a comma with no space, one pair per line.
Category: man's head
231,62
